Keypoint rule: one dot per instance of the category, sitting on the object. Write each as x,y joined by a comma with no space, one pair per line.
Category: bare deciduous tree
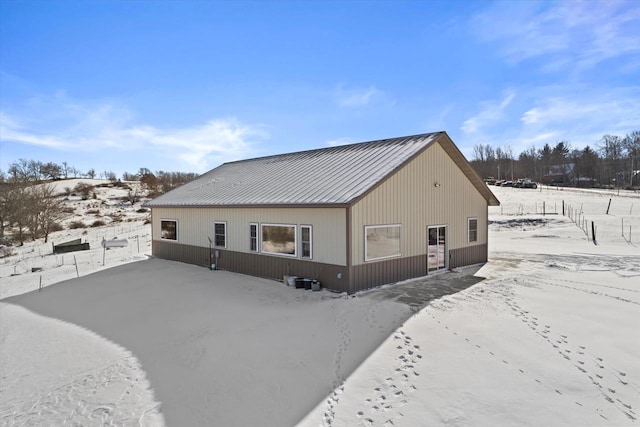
49,207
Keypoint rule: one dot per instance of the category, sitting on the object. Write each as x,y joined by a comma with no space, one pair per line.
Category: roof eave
256,206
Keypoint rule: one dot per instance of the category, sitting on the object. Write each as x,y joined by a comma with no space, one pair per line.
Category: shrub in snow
56,226
98,223
77,224
84,189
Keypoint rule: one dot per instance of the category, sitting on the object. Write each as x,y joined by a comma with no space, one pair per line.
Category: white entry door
437,253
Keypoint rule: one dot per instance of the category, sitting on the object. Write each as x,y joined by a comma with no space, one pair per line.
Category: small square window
168,229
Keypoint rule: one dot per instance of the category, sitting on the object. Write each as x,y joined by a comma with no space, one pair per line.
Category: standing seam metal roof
326,176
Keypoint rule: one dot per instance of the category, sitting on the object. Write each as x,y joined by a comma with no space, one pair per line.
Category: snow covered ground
549,337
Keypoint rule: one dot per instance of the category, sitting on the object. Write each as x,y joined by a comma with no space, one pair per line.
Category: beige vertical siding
196,224
410,198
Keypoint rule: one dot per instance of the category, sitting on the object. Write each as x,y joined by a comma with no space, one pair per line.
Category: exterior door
437,252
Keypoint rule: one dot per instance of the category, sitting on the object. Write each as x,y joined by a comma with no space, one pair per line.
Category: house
353,216
561,174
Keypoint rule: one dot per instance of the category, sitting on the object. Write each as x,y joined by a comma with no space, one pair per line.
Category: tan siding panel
411,198
196,224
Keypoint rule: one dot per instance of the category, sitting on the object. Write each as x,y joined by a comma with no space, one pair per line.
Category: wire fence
602,217
35,266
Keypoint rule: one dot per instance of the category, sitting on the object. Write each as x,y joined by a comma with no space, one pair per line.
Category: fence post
608,206
593,232
563,208
76,263
40,286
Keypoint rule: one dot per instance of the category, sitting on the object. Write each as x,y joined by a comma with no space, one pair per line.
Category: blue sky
187,85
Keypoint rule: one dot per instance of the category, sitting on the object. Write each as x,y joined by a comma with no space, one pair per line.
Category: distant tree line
24,170
614,161
159,182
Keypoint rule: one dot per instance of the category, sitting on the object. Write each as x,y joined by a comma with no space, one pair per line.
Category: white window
473,230
168,229
220,234
381,241
279,239
306,244
253,237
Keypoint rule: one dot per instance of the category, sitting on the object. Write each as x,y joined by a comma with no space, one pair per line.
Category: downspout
152,224
349,247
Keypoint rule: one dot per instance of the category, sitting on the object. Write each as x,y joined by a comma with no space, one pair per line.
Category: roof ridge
335,147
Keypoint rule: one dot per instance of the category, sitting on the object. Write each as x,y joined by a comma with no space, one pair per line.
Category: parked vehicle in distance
490,181
499,182
520,183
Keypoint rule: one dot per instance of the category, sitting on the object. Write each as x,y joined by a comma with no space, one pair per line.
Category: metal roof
328,176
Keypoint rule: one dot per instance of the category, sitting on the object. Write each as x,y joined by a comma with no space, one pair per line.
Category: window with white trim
306,241
253,237
168,229
381,241
278,239
220,234
473,230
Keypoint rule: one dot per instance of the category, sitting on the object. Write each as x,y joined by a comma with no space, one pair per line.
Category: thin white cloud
567,34
63,124
353,98
491,113
547,115
606,110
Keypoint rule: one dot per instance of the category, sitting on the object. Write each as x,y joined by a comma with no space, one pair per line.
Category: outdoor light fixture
437,184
